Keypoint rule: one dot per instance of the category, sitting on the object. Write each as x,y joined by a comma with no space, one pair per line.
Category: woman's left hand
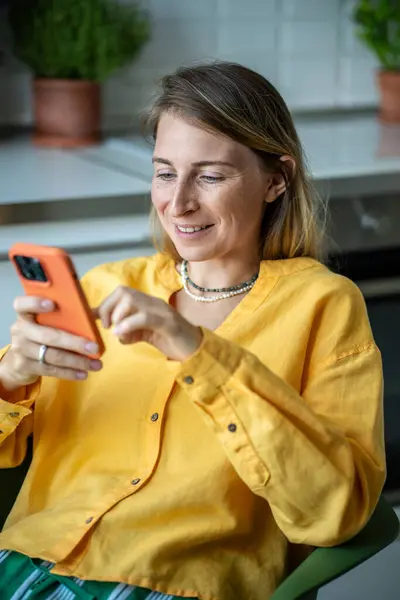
137,317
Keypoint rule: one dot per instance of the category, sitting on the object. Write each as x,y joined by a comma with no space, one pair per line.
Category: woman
237,410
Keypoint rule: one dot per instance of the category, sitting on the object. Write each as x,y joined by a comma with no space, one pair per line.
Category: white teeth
190,229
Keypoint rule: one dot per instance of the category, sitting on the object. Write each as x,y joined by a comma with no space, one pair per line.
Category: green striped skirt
22,578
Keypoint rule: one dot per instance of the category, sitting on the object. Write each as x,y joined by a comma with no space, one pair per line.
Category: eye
212,178
165,175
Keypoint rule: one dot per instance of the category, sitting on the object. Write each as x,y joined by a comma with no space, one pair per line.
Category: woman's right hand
66,357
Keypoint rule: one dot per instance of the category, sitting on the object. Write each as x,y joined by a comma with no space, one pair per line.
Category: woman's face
209,192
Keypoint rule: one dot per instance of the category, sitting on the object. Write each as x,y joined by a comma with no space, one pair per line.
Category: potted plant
378,24
72,46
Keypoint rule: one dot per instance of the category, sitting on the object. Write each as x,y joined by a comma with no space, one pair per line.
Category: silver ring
42,353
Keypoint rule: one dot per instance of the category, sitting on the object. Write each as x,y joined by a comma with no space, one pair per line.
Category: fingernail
81,375
95,365
91,348
47,304
118,329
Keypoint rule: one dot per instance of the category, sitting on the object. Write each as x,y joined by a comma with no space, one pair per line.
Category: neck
222,273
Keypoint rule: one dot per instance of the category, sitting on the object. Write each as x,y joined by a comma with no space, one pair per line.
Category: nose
183,199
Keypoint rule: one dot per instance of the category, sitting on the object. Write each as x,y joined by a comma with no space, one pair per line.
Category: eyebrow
200,163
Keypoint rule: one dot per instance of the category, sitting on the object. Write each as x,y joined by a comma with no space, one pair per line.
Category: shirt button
89,520
189,380
14,414
154,417
135,481
232,427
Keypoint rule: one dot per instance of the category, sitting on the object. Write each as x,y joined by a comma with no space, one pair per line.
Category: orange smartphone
49,273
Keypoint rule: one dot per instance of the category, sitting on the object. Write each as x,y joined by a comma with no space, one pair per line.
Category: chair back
325,564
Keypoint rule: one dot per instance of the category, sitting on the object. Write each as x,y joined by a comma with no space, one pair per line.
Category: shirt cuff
206,371
11,416
17,406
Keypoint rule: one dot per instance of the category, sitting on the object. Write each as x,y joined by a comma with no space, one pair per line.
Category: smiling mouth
194,229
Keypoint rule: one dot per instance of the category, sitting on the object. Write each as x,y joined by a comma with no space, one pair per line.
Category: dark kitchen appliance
366,248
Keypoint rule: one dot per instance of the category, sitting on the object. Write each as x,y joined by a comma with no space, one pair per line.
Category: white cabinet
10,287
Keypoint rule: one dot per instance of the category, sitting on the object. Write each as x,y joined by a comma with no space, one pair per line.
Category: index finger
25,305
105,310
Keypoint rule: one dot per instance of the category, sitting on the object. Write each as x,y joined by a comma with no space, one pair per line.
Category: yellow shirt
194,478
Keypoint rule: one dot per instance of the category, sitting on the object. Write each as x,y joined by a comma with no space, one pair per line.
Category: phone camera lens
30,268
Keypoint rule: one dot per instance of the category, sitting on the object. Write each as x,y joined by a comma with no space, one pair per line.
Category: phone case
72,313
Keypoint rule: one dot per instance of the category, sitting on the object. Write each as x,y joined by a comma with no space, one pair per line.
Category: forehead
180,139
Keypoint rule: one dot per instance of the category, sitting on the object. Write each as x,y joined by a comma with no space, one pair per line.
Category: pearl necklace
229,293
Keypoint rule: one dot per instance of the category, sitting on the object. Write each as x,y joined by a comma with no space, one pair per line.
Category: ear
278,182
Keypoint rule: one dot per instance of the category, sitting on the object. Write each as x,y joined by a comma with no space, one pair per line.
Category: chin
194,254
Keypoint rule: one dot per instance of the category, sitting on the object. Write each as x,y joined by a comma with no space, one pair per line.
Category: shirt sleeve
16,413
16,422
317,458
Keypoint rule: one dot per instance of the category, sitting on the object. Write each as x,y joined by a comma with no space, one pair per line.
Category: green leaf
77,39
378,27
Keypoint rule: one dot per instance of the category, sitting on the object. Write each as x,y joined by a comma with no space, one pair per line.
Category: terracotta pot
67,113
389,87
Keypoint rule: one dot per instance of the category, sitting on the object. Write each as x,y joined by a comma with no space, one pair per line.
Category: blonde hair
243,105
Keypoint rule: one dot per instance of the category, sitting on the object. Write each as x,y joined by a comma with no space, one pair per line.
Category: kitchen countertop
30,174
350,146
349,155
36,175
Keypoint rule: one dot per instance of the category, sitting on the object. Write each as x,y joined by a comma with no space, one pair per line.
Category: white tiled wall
306,47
